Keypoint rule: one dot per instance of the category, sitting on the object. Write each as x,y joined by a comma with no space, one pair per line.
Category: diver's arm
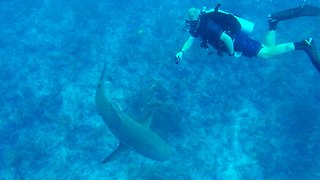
227,40
186,46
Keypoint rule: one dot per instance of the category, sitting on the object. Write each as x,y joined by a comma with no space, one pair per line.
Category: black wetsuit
213,24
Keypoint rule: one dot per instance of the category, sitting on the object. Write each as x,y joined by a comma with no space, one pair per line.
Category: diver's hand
179,57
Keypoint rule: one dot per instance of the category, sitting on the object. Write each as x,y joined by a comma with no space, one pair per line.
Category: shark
132,134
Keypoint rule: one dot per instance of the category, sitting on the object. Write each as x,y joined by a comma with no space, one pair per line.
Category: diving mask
191,25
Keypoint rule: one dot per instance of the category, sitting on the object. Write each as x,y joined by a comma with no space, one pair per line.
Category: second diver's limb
306,10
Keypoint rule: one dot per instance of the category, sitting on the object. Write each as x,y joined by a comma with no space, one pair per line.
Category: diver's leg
268,52
307,45
271,38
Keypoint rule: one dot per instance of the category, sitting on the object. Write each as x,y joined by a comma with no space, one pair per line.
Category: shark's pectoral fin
121,149
147,120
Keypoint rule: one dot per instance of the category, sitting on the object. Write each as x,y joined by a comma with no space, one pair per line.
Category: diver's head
192,19
193,14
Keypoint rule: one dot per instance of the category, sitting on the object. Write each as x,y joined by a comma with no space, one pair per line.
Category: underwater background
226,118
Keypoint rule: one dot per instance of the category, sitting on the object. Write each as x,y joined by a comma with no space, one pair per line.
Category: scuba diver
228,34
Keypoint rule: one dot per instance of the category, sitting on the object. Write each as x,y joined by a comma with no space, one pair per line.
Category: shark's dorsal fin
121,149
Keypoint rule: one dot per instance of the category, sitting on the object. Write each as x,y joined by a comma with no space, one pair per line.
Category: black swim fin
313,55
306,10
310,48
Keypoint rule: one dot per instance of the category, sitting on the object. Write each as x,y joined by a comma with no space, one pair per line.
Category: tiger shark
131,133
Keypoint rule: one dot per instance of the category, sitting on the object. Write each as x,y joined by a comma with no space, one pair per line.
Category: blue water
226,118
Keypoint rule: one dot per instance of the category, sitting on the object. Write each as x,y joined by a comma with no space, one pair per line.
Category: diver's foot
273,22
310,48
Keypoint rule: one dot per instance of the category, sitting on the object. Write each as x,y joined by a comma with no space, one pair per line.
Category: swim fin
310,48
313,55
306,10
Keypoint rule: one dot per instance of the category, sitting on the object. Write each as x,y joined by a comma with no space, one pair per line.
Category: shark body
128,131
